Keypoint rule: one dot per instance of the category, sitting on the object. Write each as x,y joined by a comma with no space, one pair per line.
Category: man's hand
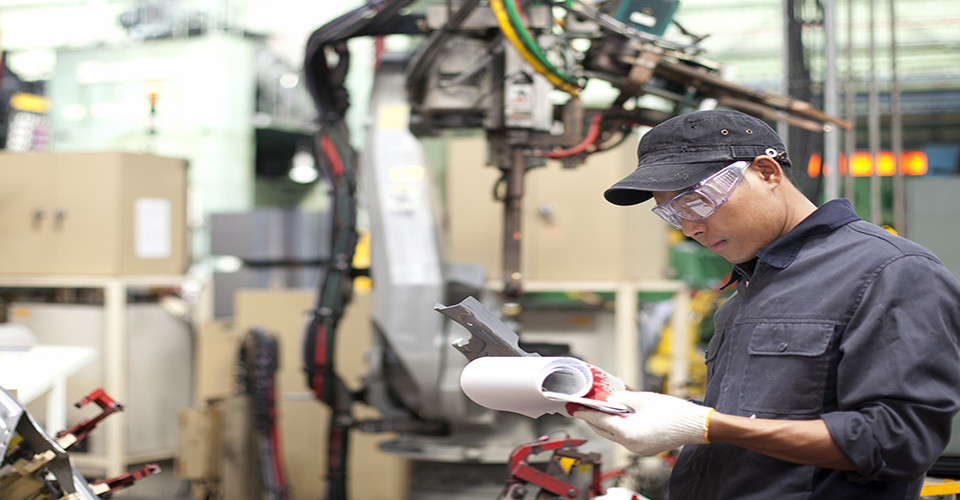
659,422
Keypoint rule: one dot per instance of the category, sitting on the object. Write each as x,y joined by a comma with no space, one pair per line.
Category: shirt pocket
786,368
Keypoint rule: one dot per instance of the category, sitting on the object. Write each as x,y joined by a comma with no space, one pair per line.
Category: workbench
30,371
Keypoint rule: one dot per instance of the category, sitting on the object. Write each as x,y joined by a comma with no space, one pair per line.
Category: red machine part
123,481
105,402
521,472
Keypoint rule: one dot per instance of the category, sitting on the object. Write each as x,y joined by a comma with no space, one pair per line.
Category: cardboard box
303,421
570,232
92,214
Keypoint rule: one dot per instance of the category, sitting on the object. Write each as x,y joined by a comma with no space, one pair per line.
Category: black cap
685,149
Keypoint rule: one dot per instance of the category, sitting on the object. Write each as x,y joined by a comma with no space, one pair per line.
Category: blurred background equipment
569,474
455,178
266,248
494,67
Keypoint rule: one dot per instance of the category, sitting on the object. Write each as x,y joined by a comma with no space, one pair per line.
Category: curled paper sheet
530,386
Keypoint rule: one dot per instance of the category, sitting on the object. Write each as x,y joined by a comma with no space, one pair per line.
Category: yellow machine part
659,362
934,487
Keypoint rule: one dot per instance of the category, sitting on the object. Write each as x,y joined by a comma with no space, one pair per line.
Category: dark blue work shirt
836,320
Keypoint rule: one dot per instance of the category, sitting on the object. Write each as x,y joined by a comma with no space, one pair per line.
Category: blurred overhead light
228,264
289,80
304,167
911,163
74,112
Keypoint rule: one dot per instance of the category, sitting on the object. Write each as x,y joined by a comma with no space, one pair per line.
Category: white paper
530,386
151,228
604,406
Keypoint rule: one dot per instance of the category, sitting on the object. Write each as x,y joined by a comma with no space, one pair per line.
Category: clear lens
694,206
700,201
667,216
726,179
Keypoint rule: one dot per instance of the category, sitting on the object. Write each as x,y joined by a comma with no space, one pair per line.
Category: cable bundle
512,25
326,65
256,377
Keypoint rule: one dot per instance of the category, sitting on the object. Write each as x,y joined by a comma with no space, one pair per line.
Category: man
833,372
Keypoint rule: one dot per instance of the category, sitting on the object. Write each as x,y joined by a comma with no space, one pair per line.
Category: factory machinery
514,69
37,466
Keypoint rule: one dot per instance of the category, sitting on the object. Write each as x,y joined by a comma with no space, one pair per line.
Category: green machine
650,16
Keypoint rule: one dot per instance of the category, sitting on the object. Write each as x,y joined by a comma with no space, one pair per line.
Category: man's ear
770,170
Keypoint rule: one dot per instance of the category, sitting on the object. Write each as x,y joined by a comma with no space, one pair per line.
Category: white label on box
151,228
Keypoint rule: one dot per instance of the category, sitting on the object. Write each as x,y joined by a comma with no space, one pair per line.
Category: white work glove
659,422
604,384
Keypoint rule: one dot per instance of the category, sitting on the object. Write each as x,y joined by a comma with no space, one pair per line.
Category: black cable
337,161
257,365
325,81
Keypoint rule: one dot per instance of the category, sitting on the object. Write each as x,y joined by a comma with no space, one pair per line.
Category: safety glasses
700,201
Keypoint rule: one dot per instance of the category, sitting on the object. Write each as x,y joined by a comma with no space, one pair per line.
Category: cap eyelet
724,132
771,152
749,132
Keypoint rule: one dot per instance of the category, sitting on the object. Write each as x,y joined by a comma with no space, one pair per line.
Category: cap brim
639,186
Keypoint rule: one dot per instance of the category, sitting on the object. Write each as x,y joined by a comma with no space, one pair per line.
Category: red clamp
105,402
521,472
106,487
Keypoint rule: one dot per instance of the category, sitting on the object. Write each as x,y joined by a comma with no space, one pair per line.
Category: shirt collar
781,252
833,214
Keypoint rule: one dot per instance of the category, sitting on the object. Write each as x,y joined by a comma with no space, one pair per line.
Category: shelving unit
114,357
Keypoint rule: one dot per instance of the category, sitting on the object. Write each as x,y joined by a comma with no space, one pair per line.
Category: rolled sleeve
899,375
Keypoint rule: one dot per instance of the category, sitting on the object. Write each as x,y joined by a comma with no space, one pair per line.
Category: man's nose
691,228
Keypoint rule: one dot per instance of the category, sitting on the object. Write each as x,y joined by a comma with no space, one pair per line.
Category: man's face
745,223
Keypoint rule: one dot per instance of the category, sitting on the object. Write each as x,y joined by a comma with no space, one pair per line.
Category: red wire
516,5
333,457
378,49
331,151
611,474
592,135
319,359
276,457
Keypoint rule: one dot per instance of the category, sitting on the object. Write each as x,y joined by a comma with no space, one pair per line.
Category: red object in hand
603,385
